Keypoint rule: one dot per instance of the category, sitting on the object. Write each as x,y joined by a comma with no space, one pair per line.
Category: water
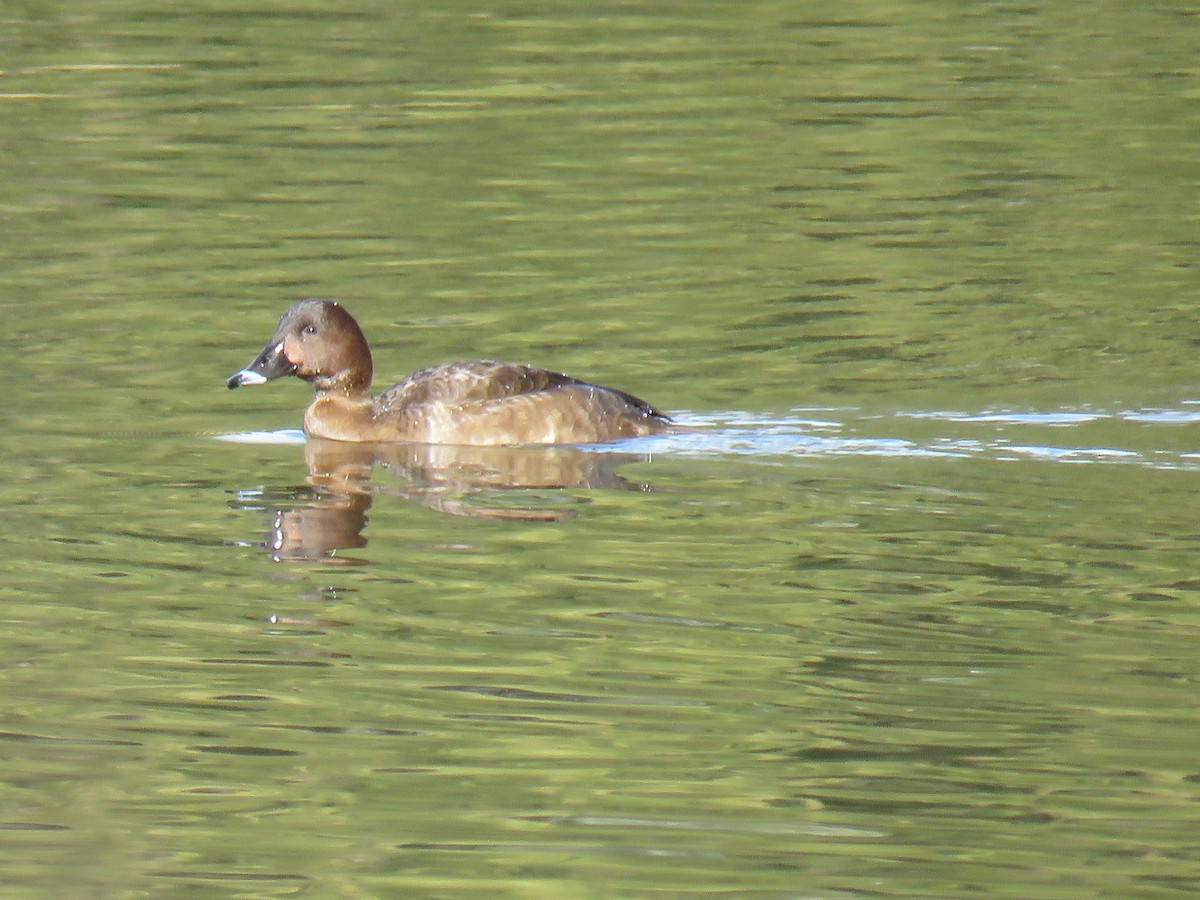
910,613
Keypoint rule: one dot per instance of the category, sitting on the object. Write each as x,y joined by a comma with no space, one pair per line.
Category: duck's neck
353,384
354,380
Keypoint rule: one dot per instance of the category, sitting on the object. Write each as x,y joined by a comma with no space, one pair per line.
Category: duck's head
318,341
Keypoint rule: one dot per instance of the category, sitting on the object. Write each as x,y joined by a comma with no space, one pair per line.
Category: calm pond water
912,613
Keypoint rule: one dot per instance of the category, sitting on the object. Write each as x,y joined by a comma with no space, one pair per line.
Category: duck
477,402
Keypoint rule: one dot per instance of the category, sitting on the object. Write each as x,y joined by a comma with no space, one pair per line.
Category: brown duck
477,402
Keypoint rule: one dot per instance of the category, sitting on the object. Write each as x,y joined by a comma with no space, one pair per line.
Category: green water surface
913,613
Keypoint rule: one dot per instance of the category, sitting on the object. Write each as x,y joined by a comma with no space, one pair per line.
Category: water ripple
994,434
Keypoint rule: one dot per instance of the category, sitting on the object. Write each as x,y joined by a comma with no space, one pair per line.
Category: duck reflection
498,483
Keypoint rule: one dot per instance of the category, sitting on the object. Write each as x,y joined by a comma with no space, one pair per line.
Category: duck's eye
310,329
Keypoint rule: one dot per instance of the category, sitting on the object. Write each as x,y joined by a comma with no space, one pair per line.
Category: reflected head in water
474,402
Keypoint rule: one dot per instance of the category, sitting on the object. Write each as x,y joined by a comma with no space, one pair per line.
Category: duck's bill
245,377
272,363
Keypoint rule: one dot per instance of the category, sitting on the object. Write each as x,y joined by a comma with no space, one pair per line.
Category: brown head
318,341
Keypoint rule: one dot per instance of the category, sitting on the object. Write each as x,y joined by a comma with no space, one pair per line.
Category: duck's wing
470,383
487,402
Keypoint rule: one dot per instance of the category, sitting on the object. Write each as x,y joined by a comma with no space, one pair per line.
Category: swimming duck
476,402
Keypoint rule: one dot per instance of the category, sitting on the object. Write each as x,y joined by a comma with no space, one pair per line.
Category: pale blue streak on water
804,436
807,434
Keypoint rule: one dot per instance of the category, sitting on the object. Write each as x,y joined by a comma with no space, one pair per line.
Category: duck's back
487,402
